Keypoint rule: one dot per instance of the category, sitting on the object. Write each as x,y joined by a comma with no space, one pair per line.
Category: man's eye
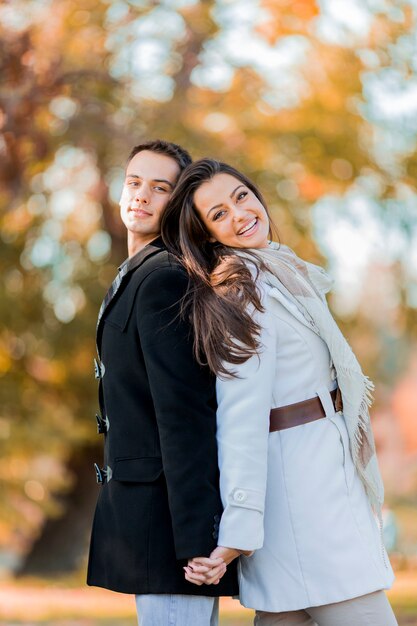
218,215
133,183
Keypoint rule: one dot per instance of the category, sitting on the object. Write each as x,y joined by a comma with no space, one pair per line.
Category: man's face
149,181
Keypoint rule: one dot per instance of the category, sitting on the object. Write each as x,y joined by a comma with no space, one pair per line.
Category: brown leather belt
302,412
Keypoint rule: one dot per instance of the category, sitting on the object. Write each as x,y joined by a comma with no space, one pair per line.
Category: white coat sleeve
244,405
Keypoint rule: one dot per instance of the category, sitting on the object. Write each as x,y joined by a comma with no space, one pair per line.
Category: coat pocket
137,470
339,422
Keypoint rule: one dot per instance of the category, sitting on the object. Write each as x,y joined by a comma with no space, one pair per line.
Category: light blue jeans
177,610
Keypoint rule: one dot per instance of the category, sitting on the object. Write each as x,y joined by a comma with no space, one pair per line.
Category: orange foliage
404,406
284,17
46,370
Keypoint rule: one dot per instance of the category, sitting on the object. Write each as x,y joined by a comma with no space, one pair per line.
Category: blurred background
316,100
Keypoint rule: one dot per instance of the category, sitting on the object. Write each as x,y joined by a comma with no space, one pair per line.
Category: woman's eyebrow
231,196
234,191
213,208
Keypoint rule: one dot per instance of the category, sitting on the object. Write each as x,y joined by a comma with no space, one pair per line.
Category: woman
299,477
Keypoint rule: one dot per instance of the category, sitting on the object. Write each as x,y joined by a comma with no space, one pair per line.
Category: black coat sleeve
184,399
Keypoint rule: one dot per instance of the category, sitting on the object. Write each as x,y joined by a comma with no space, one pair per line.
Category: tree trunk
62,545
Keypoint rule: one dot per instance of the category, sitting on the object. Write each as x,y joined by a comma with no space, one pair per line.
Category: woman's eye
218,215
242,194
160,189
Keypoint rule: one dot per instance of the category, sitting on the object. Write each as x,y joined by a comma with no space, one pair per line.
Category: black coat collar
137,259
125,269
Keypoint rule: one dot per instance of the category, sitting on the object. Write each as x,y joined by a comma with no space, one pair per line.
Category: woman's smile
249,229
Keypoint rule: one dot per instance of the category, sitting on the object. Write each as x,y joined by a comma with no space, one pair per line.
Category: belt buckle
338,404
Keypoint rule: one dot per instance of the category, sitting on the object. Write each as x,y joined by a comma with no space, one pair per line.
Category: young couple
216,350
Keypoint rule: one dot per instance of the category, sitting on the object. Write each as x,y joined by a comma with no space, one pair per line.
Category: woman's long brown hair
222,296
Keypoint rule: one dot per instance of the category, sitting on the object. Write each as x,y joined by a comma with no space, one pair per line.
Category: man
159,503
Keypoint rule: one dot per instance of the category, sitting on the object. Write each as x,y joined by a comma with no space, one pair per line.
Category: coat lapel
125,270
292,308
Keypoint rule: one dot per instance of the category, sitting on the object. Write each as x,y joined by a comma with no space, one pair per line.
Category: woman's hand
209,571
226,554
203,570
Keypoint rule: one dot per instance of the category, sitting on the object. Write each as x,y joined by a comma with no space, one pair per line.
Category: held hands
209,570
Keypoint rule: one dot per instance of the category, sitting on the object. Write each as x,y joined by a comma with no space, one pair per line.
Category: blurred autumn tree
267,85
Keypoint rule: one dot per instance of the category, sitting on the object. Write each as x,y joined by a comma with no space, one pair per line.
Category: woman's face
232,213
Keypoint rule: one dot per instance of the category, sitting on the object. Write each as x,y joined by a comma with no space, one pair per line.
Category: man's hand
209,571
202,570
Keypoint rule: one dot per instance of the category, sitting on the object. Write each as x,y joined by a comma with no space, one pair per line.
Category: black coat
159,501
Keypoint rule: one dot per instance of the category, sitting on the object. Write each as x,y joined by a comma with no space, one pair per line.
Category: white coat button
240,495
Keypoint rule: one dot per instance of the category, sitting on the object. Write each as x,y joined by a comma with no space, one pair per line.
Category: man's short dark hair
173,150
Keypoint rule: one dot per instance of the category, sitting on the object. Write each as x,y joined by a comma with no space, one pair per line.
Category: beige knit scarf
305,285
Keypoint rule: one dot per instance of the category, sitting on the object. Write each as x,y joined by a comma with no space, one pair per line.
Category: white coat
293,496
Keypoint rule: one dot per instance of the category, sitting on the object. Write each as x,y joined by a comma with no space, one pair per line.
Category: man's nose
142,195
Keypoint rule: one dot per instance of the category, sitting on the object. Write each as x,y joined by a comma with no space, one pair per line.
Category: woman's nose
238,214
